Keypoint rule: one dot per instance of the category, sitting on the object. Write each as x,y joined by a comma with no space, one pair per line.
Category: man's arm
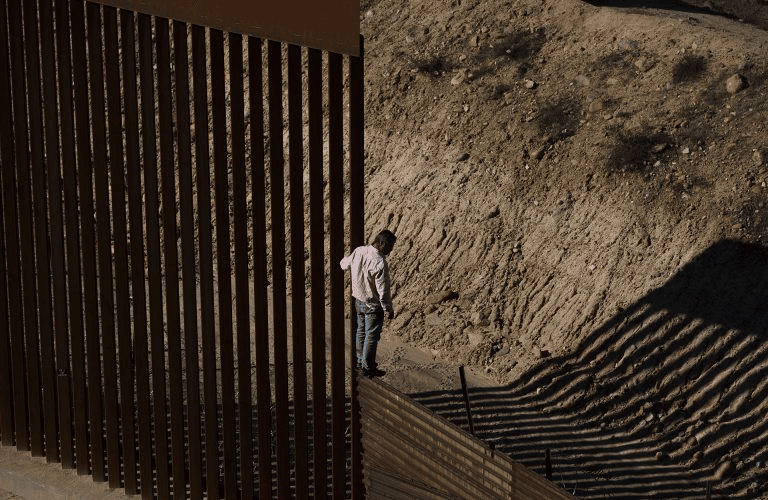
383,286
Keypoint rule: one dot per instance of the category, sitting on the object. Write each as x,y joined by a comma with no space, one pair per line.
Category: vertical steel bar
188,256
154,266
240,223
31,435
207,317
52,151
261,308
127,440
336,252
9,244
298,312
138,277
44,343
224,268
279,320
170,253
466,399
72,385
104,241
6,388
356,237
90,285
317,265
49,231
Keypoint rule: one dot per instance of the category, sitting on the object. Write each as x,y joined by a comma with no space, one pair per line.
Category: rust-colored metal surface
408,449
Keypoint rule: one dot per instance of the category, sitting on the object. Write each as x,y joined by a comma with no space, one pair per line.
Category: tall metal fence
149,245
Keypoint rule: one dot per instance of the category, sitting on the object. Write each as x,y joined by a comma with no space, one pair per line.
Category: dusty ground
579,190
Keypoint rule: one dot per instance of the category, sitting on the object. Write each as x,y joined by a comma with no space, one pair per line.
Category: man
373,299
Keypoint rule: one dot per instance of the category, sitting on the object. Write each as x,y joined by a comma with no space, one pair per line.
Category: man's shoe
373,372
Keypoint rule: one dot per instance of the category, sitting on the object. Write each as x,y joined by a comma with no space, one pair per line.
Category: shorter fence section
408,450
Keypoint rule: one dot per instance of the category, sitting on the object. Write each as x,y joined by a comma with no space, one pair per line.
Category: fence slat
72,384
44,343
59,284
120,245
336,209
356,236
208,324
298,307
188,256
317,268
138,277
50,235
223,262
104,243
28,425
279,320
259,238
170,254
154,266
88,249
240,224
8,304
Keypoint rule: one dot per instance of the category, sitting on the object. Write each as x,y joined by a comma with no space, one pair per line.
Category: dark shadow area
656,400
559,119
689,68
639,151
431,65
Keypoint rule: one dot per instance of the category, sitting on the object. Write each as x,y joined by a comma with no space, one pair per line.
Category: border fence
143,164
170,195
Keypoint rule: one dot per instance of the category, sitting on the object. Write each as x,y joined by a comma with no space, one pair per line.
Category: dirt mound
588,179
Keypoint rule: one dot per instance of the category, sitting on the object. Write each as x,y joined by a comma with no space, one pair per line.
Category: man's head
384,241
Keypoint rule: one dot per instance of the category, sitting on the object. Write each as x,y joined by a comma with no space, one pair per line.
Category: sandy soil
578,190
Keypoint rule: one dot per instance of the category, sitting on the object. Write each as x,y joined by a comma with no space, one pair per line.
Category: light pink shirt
370,276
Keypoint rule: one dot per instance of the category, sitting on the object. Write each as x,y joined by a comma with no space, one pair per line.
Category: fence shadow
666,396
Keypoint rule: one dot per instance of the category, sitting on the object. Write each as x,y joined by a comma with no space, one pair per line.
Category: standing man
371,288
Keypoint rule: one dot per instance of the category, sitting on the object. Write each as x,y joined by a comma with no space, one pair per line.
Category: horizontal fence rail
170,196
410,452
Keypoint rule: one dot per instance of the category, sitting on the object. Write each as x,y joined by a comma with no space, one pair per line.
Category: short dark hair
386,239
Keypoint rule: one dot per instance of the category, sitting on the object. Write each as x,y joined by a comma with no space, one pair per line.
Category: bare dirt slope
579,191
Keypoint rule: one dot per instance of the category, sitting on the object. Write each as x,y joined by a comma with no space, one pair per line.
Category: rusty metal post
466,399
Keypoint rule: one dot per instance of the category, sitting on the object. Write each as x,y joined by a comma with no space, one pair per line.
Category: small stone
595,106
479,319
612,81
529,84
582,80
736,83
503,352
644,64
440,297
434,320
463,157
723,470
462,57
474,41
758,157
409,39
538,153
698,455
536,352
728,119
660,456
448,337
459,77
494,213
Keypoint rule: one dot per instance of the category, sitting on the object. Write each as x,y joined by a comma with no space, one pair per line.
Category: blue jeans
370,321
